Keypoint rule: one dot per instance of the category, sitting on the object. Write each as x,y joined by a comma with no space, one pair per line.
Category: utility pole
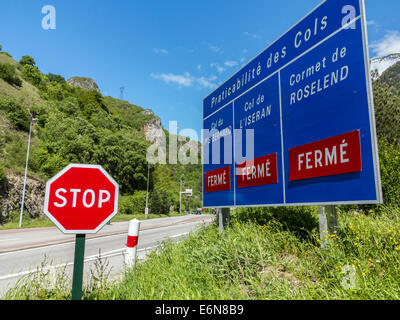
146,211
180,196
26,170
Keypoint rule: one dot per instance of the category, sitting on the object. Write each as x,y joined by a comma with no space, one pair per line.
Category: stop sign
81,199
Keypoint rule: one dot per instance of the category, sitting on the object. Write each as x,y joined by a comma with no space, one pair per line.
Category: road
23,251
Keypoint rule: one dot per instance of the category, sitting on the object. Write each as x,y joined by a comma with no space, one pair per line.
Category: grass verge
253,261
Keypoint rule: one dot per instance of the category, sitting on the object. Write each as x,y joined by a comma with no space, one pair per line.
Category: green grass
253,261
28,94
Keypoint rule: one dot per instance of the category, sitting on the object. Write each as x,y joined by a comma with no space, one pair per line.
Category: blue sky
168,55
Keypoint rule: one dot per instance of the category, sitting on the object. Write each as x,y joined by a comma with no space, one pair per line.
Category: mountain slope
76,125
27,93
380,65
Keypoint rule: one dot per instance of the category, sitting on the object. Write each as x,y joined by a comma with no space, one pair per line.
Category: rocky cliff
153,129
11,196
381,64
83,83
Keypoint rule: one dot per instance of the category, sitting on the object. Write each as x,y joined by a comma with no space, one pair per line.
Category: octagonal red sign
81,199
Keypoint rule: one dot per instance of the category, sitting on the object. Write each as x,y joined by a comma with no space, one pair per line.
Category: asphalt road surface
23,251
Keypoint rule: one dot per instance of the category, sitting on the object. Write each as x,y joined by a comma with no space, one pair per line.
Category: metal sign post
223,218
77,278
327,223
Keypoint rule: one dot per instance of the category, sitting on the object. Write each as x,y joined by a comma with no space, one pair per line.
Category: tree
27,60
56,78
387,112
8,74
32,74
16,113
1,47
2,173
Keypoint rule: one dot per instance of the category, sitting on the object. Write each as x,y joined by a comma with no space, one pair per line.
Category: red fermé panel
333,156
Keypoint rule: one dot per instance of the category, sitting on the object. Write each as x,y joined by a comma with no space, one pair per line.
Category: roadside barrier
131,243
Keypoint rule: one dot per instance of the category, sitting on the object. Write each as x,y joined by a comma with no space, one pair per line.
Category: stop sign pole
80,200
79,261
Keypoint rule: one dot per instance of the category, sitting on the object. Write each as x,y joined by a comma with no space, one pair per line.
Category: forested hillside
76,124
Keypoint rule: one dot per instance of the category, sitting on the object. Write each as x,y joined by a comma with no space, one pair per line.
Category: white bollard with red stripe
131,243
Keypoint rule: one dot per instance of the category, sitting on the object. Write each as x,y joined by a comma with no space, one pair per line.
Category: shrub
161,201
32,74
389,156
7,54
139,201
300,220
52,91
8,74
387,112
41,113
2,173
133,204
56,78
69,106
27,60
17,114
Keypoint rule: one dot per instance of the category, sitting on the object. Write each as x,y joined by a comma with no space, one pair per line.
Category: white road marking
107,254
179,235
72,240
4,240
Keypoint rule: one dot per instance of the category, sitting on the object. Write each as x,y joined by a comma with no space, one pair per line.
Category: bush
32,74
389,157
41,113
8,74
387,112
27,60
69,106
2,173
17,114
53,91
7,54
133,204
139,201
56,78
161,201
299,220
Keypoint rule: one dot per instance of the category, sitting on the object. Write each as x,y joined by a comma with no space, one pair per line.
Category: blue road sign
296,126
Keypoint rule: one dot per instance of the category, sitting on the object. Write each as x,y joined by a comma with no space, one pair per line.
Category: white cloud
199,67
160,51
219,68
230,63
215,48
251,35
388,45
208,83
186,80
